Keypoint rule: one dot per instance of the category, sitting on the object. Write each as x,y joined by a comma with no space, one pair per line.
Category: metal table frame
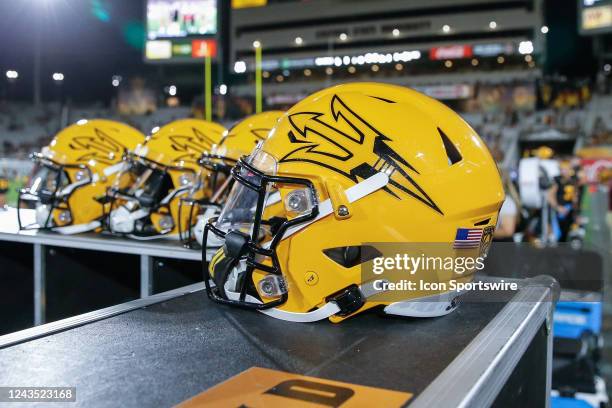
146,250
488,361
71,322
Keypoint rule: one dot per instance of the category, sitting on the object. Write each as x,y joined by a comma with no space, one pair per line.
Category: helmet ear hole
350,256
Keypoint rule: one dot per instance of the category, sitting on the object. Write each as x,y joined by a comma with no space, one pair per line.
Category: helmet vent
451,151
350,256
483,222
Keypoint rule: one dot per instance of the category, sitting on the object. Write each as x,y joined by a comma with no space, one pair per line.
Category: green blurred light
100,10
134,34
102,15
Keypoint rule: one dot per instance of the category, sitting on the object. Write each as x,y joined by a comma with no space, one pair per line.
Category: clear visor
144,182
218,150
47,180
241,205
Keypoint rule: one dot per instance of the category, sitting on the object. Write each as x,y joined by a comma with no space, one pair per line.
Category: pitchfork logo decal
192,146
100,147
334,145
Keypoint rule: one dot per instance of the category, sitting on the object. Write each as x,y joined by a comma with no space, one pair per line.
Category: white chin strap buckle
123,221
198,228
329,309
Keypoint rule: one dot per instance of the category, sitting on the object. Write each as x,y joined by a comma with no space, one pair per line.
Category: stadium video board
181,30
595,16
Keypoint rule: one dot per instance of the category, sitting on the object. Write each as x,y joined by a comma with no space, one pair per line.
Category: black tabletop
168,352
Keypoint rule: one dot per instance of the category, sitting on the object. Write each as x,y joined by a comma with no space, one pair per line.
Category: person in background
508,218
563,197
508,214
4,187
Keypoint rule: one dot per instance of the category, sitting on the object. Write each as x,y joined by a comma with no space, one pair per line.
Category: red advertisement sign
593,166
451,52
203,48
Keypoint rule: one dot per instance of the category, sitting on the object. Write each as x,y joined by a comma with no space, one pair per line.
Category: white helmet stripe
354,193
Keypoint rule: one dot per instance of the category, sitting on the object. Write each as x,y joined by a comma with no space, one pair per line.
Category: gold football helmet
146,196
73,172
353,164
238,141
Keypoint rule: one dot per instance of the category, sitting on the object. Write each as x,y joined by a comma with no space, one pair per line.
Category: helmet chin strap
428,306
43,212
329,309
151,237
78,228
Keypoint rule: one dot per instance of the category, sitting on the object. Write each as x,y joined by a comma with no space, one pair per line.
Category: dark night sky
87,40
568,52
91,40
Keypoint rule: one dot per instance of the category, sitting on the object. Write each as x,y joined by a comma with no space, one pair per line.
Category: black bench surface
165,353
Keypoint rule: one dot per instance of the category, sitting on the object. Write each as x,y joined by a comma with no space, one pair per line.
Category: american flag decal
467,238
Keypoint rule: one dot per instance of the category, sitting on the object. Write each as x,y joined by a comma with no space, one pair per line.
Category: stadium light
12,74
240,67
525,47
223,89
343,37
298,41
446,28
116,80
544,29
58,76
395,32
